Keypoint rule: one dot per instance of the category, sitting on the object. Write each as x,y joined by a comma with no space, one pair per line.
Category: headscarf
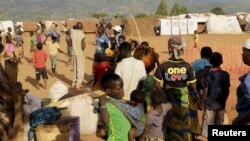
175,46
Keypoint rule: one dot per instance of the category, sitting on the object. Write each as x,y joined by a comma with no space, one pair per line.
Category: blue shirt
243,95
101,43
200,64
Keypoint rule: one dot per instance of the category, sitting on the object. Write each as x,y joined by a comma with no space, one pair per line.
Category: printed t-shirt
175,73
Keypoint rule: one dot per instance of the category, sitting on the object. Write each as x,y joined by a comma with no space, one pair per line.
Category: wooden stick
136,27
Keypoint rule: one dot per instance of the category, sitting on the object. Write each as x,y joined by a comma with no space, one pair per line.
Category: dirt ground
229,45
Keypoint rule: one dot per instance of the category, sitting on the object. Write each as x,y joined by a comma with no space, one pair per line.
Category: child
53,50
217,83
32,43
19,44
154,119
9,47
137,98
69,46
116,112
39,59
99,69
196,38
117,123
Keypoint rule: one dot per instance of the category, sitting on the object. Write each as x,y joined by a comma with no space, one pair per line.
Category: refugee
19,44
116,122
195,38
117,32
78,44
131,70
39,58
121,39
32,43
99,69
173,76
216,92
102,41
155,117
53,51
69,46
201,68
243,90
9,45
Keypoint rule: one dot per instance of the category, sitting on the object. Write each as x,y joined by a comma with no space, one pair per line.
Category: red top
99,70
39,59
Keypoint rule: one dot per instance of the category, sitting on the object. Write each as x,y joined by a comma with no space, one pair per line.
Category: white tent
178,26
223,25
5,25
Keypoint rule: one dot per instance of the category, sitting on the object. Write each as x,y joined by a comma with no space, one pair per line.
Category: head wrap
175,46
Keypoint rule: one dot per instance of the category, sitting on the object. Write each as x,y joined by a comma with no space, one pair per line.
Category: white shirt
131,71
77,37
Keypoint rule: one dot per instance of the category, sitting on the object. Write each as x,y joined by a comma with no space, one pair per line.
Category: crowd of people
145,99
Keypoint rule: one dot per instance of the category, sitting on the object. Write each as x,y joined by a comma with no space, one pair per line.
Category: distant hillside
19,10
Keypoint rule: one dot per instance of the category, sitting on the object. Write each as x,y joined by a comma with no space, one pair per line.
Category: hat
247,44
117,28
175,46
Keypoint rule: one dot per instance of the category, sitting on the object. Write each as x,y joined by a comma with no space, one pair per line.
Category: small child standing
69,46
9,46
39,59
215,94
196,38
32,43
19,44
155,116
53,50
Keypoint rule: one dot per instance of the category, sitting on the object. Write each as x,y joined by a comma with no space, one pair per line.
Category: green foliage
184,10
118,15
162,8
99,15
141,15
218,11
177,10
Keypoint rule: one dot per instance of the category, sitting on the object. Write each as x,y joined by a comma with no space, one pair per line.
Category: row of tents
205,22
